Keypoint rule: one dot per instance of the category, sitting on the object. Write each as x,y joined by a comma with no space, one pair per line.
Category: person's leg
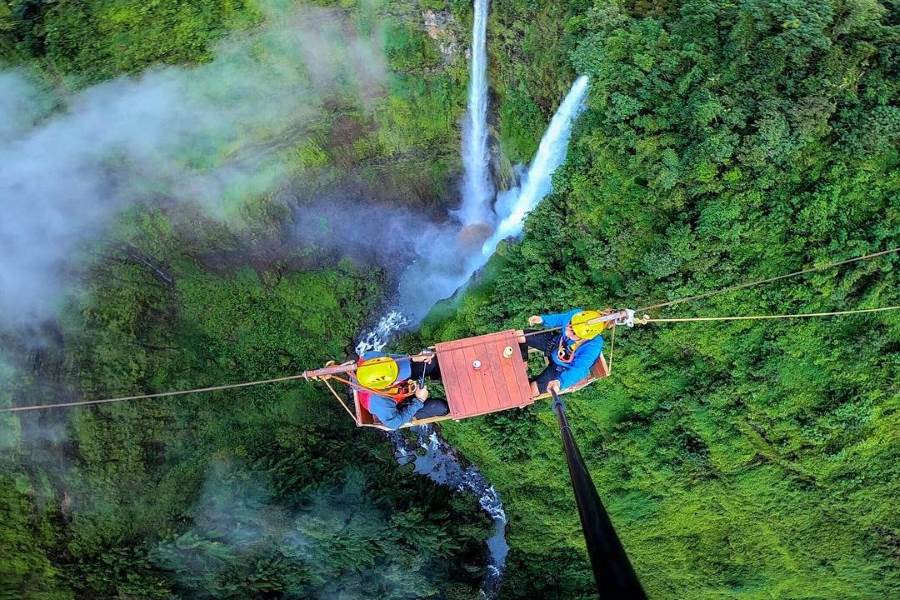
546,376
539,341
434,407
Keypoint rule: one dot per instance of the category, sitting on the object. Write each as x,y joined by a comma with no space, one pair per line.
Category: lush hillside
236,494
723,142
268,491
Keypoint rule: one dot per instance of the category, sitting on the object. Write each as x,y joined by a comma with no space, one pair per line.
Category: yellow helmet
381,372
584,328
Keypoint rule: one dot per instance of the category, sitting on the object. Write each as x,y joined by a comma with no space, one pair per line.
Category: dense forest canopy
722,141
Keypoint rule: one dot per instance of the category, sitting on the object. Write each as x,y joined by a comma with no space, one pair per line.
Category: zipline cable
214,388
768,280
647,319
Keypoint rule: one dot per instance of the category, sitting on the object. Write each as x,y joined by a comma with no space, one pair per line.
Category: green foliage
132,500
241,493
723,142
408,48
98,39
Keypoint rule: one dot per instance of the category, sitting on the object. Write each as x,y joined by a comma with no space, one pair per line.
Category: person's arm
425,356
580,367
387,411
559,319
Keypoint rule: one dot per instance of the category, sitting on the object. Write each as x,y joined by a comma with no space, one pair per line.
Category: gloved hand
422,393
535,320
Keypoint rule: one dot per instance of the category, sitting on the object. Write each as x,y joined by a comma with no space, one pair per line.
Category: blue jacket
391,414
585,356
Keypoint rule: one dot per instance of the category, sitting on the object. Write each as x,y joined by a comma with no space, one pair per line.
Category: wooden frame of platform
482,375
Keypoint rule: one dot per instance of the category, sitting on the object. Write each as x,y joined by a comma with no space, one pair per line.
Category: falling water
538,181
445,263
477,190
434,458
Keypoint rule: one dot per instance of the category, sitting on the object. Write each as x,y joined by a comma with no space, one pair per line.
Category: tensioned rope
214,388
742,286
644,320
648,319
739,287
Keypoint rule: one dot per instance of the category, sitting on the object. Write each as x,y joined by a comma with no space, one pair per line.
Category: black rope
613,573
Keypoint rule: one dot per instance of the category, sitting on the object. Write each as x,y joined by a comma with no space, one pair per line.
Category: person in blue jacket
572,350
383,387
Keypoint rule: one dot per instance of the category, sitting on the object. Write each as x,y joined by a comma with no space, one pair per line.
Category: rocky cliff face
442,28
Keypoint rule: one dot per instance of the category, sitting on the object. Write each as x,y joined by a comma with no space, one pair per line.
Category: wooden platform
480,378
482,375
598,371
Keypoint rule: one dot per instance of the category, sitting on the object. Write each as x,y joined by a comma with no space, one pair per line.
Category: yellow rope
647,319
349,412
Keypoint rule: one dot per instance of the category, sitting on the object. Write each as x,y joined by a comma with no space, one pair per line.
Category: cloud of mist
430,259
326,546
213,134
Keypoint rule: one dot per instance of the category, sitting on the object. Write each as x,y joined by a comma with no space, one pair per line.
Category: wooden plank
451,383
463,392
600,368
521,375
364,416
514,372
498,365
473,382
501,383
485,395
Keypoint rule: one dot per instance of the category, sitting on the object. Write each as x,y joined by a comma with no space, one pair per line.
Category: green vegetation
243,493
723,142
260,492
91,41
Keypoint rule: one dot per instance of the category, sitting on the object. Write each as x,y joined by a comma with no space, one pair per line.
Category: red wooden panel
465,399
482,379
599,368
499,367
514,376
475,378
364,416
521,377
452,385
499,384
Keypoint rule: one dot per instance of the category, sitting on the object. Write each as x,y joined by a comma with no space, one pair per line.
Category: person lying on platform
572,350
388,387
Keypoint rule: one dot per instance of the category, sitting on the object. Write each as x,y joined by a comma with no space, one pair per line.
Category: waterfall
446,260
447,256
477,191
538,182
